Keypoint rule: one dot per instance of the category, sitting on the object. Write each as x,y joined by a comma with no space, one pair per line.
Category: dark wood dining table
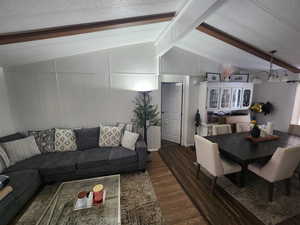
242,151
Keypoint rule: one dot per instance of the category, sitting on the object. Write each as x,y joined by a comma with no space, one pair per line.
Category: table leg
243,175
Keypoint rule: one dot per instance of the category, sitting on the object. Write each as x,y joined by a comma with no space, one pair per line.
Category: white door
171,111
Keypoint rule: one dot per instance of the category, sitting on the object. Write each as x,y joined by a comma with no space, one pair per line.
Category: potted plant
146,117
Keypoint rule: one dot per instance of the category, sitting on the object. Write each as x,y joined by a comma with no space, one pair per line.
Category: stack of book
5,188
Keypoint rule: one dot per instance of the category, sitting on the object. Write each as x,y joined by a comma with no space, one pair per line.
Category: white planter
154,138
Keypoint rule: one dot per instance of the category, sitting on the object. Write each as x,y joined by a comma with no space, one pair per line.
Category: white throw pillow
65,140
110,136
4,157
21,149
4,160
129,139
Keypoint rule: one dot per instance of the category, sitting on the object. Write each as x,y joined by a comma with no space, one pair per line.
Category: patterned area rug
139,205
254,197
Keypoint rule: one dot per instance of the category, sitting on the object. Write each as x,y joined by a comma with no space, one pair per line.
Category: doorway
171,110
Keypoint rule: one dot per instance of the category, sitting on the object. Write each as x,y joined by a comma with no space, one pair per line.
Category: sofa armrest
141,151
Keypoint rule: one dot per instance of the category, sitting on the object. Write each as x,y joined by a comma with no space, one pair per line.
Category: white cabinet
225,98
236,98
247,97
213,97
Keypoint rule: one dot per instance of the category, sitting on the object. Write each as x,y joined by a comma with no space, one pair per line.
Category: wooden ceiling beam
61,31
229,39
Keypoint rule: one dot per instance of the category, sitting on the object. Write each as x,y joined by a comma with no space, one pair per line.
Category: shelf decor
239,77
213,77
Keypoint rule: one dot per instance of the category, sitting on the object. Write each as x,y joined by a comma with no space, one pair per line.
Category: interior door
171,111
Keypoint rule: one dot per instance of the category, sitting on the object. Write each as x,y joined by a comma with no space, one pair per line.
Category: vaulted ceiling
264,24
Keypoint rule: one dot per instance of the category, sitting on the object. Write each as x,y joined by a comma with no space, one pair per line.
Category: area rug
254,197
139,205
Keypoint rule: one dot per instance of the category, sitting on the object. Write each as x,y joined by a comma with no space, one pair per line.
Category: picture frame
244,78
213,77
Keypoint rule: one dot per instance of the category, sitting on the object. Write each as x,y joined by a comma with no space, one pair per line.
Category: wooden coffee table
60,208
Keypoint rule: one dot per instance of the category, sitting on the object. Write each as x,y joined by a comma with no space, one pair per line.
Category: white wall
178,65
282,97
179,61
7,123
82,90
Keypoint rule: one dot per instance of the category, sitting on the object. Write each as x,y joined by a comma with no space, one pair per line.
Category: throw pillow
12,137
87,138
65,140
127,126
2,165
44,139
129,139
110,136
21,149
4,157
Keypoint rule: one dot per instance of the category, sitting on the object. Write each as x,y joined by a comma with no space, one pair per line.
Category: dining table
237,148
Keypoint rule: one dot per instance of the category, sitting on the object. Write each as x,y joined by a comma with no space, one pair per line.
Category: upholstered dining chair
242,127
208,157
294,129
221,129
280,167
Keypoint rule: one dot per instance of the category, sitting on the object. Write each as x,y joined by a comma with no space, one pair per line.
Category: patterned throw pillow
65,140
44,139
110,136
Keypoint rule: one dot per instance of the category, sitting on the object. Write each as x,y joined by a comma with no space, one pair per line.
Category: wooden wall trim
229,39
61,31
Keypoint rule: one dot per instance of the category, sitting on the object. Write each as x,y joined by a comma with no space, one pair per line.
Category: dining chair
294,129
221,129
242,127
208,157
280,167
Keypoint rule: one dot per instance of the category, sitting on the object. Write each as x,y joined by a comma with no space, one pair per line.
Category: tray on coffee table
60,210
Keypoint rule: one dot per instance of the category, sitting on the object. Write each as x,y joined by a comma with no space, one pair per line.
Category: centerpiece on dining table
261,133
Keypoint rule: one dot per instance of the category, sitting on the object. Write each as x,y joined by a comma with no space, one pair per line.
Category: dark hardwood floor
218,208
176,206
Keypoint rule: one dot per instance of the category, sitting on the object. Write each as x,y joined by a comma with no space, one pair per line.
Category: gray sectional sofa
28,176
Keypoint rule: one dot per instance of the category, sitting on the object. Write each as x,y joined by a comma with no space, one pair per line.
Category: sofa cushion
23,181
34,162
44,139
12,137
65,140
25,184
122,155
93,158
87,138
59,163
21,149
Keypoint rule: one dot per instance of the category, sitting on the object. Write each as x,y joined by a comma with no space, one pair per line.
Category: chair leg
198,170
271,190
288,187
213,185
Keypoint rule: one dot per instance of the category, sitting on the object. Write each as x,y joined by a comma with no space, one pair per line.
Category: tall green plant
145,111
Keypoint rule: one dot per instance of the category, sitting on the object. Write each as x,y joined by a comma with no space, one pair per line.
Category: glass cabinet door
236,99
225,98
246,97
213,98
